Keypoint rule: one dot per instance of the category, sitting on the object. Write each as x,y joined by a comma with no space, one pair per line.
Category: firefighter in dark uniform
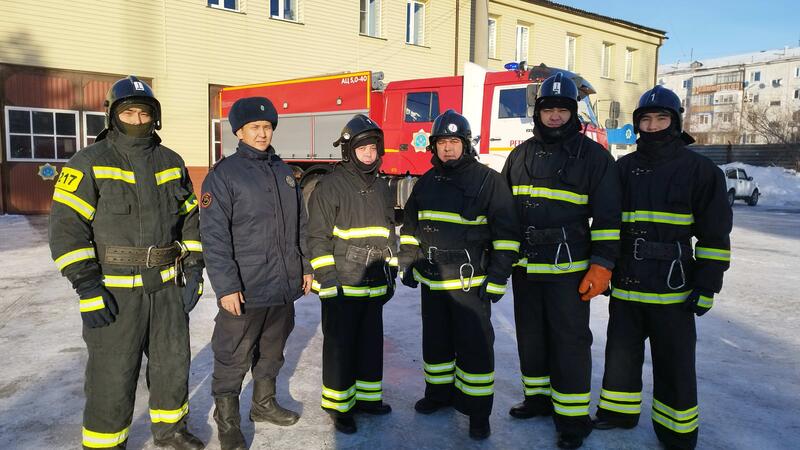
124,231
459,240
354,255
253,224
560,179
670,195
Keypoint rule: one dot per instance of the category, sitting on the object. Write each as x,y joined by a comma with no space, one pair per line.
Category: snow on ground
777,186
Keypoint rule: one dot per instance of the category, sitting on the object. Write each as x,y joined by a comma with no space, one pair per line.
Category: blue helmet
127,91
659,98
559,88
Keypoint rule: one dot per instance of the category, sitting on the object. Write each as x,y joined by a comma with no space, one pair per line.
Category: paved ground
748,360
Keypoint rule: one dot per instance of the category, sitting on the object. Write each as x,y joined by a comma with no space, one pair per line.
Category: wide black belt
642,249
436,255
367,255
556,235
142,256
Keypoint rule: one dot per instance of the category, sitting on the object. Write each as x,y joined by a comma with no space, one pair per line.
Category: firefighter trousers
673,337
352,352
458,350
156,325
554,343
252,341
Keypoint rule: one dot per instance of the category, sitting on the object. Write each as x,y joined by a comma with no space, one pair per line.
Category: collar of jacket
249,152
360,178
656,152
452,167
554,146
131,145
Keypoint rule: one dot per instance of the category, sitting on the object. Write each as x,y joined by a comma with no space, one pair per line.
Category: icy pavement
748,361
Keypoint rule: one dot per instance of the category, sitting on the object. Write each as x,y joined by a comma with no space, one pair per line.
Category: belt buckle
147,258
636,243
431,250
528,234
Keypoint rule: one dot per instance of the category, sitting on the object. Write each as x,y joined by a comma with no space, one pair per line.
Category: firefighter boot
479,427
529,408
227,417
266,408
181,440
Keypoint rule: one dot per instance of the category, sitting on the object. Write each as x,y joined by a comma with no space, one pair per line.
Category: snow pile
777,186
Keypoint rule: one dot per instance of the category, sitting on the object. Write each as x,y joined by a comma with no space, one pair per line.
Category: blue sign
624,135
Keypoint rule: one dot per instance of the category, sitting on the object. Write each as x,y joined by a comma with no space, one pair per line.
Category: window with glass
492,38
629,63
523,38
606,63
36,134
216,140
512,104
572,43
755,76
231,5
370,17
422,106
283,9
93,124
415,22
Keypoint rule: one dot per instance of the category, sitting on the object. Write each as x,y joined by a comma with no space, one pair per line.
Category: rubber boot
181,440
228,419
266,408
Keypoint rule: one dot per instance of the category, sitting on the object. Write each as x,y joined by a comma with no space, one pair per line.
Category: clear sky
707,28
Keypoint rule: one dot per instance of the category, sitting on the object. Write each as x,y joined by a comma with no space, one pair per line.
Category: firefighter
124,231
670,195
459,240
253,224
354,255
560,179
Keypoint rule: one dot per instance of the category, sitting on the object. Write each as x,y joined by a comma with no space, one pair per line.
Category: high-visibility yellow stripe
449,217
536,381
571,411
605,235
133,281
93,439
188,205
650,297
322,261
441,367
173,173
493,288
506,245
364,291
169,415
74,256
369,396
562,268
552,194
200,288
719,254
658,217
440,379
193,246
358,233
622,396
705,302
338,395
678,427
475,377
448,285
114,173
323,292
368,385
537,391
76,203
393,261
674,413
474,391
91,304
622,408
571,398
341,407
406,239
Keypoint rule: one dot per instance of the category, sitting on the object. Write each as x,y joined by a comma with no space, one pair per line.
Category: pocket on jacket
253,273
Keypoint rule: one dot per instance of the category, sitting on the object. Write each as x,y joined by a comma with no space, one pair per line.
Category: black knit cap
251,109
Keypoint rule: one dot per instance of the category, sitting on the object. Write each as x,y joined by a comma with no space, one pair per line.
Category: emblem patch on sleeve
69,180
205,200
290,181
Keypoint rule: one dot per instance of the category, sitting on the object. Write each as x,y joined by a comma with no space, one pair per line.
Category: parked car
741,187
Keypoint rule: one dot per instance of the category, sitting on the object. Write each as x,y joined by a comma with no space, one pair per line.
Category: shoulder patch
205,200
69,180
290,181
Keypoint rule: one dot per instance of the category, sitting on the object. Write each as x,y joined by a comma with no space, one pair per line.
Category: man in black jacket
253,226
670,195
459,240
561,179
353,251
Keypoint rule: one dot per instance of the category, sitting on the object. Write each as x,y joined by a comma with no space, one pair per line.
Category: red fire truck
313,111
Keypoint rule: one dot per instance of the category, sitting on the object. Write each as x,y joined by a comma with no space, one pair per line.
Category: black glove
98,307
493,293
193,289
391,284
699,301
408,277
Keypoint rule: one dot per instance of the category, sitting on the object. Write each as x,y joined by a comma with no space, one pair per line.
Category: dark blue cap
251,109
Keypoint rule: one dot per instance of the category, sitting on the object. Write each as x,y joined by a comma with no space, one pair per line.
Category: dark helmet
451,124
357,130
659,98
128,91
558,89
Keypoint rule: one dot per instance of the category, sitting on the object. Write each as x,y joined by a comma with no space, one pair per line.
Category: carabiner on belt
467,265
672,268
558,252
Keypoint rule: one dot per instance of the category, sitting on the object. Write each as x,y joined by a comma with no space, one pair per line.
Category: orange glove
595,282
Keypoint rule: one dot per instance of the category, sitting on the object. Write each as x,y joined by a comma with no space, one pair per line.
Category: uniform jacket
671,196
348,214
253,225
468,207
122,191
564,184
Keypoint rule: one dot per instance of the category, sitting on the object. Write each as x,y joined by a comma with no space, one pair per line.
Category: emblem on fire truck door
419,140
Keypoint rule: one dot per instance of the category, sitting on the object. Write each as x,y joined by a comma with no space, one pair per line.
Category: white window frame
607,58
523,38
281,10
630,62
32,134
214,141
411,29
754,74
376,21
221,5
492,27
571,52
85,125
